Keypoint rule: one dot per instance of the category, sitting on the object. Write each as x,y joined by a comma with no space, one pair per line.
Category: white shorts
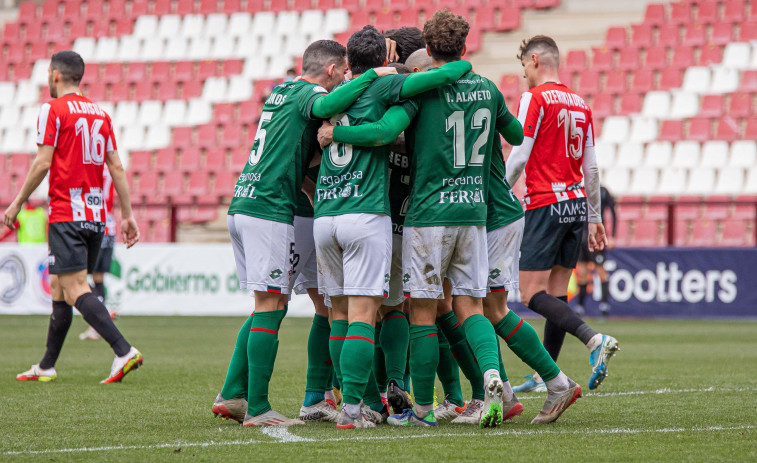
396,292
263,252
304,267
430,254
354,253
504,255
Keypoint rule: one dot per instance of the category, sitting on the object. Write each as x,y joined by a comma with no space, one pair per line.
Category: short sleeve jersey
560,122
82,134
108,197
451,139
284,143
503,207
399,189
354,179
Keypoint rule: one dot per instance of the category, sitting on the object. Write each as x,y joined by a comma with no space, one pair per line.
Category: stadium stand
673,95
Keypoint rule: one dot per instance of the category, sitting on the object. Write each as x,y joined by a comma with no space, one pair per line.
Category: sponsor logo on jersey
276,274
495,273
12,290
406,278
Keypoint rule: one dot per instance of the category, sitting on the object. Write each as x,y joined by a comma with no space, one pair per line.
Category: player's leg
102,266
60,322
582,277
599,267
448,373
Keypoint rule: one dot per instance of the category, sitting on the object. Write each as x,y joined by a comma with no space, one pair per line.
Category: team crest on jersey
495,273
276,273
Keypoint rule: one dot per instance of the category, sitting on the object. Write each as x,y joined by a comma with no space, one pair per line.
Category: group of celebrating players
403,229
380,189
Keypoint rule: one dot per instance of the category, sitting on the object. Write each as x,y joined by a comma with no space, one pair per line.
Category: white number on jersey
257,151
340,153
93,143
456,121
574,135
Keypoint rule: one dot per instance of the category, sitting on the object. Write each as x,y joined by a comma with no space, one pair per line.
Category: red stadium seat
351,5
603,105
136,72
159,70
615,38
173,183
740,105
670,79
750,132
707,12
616,82
509,19
94,11
510,86
11,31
749,81
602,59
703,233
161,7
215,159
207,69
699,129
165,159
96,91
641,36
38,51
643,80
711,55
52,8
232,6
694,35
680,13
147,184
224,183
576,61
736,233
669,35
630,103
727,129
733,11
748,30
183,70
208,7
722,34
119,92
473,42
184,7
20,163
167,90
139,161
113,73
223,113
189,159
249,110
232,135
629,59
161,232
232,67
654,15
182,137
207,135
656,58
646,233
27,12
278,6
199,183
671,130
683,57
712,106
588,83
254,6
72,8
143,91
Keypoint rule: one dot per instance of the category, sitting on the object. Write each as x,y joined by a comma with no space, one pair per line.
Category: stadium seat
658,154
724,80
737,234
686,154
736,55
684,105
743,153
603,105
615,38
703,234
129,49
730,181
683,57
680,13
641,36
647,233
733,11
695,35
193,25
722,34
701,181
629,59
727,129
712,106
618,178
139,161
750,132
656,104
601,59
630,103
714,154
239,24
615,82
189,159
615,129
700,129
668,35
750,186
654,14
656,58
670,79
588,83
707,12
645,181
630,155
146,26
605,154
710,55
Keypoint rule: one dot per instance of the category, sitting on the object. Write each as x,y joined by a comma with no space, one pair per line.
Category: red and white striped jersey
82,134
560,122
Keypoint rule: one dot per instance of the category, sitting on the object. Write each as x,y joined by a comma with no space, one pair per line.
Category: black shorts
74,246
552,235
586,256
106,254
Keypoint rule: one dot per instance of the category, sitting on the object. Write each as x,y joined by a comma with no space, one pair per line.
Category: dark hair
401,68
408,40
320,55
539,41
366,49
445,35
70,66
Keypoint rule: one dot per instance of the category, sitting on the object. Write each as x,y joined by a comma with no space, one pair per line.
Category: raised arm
420,82
379,133
342,98
39,168
129,228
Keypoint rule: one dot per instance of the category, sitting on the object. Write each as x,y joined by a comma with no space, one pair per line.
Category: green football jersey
502,205
451,139
284,143
354,179
399,189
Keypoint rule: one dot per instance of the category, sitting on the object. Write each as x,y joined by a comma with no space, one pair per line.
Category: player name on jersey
467,97
83,107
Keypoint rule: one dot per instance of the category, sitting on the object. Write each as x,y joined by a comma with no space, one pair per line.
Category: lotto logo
494,273
406,278
276,273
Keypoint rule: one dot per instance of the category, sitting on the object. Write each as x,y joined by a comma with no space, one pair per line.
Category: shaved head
419,59
542,46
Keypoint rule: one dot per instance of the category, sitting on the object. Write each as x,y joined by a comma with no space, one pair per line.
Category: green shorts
552,235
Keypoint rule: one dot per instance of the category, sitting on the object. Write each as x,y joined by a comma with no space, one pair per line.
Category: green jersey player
352,226
261,216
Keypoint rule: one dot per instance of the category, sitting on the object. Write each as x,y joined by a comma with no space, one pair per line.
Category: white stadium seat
108,107
129,49
239,24
336,21
311,22
287,22
279,66
27,92
644,181
146,26
255,67
730,181
240,89
659,154
170,25
15,141
618,179
29,115
715,154
152,49
656,104
630,155
174,112
743,153
643,129
751,181
198,112
39,72
125,113
216,25
222,48
158,136
263,23
296,45
176,49
605,154
150,113
685,104
724,80
672,182
192,25
106,49
697,79
133,137
7,92
736,55
701,181
271,45
214,89
615,129
85,47
9,115
686,154
199,48
246,47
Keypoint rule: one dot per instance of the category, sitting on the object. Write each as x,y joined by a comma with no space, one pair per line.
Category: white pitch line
357,438
654,392
282,434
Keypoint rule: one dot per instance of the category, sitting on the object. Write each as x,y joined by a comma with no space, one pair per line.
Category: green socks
235,384
522,339
379,365
336,342
449,373
483,341
424,357
318,375
262,345
395,338
356,361
462,352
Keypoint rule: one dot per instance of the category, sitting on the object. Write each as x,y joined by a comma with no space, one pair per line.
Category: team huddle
386,198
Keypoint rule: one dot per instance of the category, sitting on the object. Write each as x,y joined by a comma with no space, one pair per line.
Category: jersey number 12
456,122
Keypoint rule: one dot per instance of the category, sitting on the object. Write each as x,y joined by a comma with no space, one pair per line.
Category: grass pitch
677,391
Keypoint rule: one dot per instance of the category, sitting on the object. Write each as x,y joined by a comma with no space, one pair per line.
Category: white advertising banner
149,279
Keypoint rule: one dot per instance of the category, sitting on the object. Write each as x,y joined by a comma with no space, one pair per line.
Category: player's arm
37,171
446,74
343,97
379,133
529,114
597,235
129,227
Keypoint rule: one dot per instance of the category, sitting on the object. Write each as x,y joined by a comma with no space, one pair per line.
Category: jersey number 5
259,142
92,143
456,122
574,135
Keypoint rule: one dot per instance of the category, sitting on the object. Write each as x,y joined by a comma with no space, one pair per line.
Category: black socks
95,313
561,315
60,322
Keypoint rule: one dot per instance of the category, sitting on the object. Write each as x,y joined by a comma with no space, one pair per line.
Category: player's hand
610,243
391,51
597,237
129,231
9,219
325,134
385,71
